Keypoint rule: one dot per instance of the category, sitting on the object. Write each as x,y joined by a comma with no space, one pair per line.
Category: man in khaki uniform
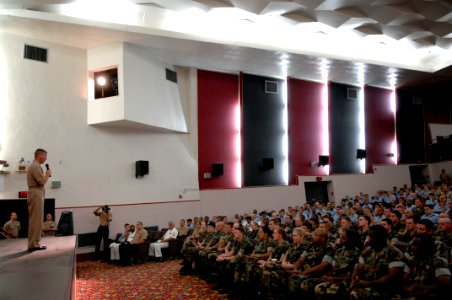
12,227
103,231
129,250
36,179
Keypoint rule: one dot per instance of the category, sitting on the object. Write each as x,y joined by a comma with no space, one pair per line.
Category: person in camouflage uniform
207,263
316,260
379,270
427,275
195,237
253,275
203,251
226,262
253,233
275,278
427,226
191,252
261,251
335,284
445,235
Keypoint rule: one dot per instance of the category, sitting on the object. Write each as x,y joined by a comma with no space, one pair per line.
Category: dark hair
189,220
307,224
275,221
379,231
241,229
397,213
353,239
282,232
329,217
426,244
211,224
429,225
367,218
387,220
266,230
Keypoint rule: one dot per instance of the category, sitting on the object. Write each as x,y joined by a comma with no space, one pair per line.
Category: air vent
352,94
35,53
271,87
417,100
171,75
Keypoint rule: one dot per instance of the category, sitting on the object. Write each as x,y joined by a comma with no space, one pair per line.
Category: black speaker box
324,160
268,164
361,153
217,170
141,168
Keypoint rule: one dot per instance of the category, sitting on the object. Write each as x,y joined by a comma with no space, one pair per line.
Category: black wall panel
262,131
410,127
344,133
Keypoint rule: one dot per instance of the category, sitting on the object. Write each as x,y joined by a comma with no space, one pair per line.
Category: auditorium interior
167,110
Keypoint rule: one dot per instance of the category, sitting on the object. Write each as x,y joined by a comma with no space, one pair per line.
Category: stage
43,274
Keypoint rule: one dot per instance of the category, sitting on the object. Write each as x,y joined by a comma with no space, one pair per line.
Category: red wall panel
218,104
379,124
305,127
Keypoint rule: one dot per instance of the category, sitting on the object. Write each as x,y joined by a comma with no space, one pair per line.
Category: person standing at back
36,180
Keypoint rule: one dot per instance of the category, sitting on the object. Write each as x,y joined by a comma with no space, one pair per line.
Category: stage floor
43,274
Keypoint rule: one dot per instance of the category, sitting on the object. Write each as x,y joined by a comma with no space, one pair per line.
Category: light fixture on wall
101,82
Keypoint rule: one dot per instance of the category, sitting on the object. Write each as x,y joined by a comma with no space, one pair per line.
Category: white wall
44,105
435,169
148,96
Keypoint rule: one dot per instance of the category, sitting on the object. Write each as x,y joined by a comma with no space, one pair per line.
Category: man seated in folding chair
11,228
155,249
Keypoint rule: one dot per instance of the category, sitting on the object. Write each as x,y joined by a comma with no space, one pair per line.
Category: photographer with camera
105,217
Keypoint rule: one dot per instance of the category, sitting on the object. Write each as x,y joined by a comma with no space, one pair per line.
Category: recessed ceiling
377,42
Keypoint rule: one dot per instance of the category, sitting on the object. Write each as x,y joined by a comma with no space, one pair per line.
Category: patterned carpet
99,280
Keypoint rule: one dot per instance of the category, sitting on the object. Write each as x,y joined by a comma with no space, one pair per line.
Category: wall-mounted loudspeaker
141,168
360,153
324,160
217,170
271,87
268,164
352,94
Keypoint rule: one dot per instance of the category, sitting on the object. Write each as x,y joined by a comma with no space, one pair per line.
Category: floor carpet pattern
98,280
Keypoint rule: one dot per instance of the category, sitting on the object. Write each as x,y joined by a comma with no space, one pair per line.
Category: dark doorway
419,174
316,191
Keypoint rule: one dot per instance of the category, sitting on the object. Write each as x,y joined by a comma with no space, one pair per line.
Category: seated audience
129,250
379,270
316,260
335,284
114,247
427,275
155,249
